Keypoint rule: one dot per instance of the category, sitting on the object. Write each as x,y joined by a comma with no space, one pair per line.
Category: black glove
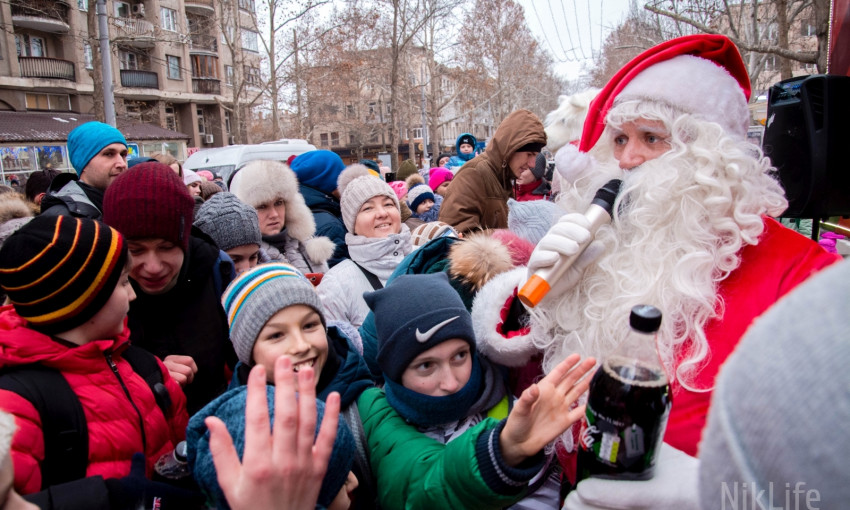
135,491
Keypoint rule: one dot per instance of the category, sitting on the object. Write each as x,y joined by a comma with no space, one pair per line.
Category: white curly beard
681,222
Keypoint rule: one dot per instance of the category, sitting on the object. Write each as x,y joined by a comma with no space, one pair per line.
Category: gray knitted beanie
256,295
228,221
531,220
357,185
781,405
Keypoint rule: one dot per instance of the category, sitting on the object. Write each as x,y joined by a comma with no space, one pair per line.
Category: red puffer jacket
113,418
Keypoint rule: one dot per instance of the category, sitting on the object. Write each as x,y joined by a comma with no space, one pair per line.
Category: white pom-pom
349,174
571,163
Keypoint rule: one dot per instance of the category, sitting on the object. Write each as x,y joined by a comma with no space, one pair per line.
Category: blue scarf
426,411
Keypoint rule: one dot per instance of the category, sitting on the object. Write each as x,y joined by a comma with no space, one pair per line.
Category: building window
83,5
122,9
771,63
59,102
228,75
247,5
350,112
204,66
323,139
173,67
202,126
29,45
334,139
128,61
373,107
87,56
252,76
227,123
249,40
389,108
169,19
352,140
170,118
227,35
808,27
417,133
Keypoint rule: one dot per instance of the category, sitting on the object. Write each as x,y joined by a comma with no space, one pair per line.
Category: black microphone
599,213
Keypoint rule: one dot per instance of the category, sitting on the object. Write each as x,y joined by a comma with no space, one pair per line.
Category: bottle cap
645,318
181,451
534,290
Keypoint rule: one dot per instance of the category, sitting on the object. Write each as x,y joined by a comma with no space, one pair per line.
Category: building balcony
206,86
202,43
135,32
44,15
139,79
48,68
205,7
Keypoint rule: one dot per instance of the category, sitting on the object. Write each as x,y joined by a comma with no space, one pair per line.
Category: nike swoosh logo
424,337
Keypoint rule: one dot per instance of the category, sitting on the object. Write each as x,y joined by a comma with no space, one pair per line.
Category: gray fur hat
260,182
356,185
228,221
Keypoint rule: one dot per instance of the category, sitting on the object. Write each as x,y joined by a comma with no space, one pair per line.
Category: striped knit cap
60,271
418,194
256,295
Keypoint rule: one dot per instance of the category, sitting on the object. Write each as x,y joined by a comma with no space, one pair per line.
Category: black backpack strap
144,363
63,422
373,280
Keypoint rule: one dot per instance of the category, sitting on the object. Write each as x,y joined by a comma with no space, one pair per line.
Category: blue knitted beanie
405,329
86,140
230,408
318,169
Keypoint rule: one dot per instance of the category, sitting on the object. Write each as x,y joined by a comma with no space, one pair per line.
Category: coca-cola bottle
627,406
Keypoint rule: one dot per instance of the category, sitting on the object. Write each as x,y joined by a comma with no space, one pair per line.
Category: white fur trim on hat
319,249
515,351
261,182
356,185
696,86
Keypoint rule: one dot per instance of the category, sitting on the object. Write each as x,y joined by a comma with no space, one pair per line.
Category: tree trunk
782,26
394,51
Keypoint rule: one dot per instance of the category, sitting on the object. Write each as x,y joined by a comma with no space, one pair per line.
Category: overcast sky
572,30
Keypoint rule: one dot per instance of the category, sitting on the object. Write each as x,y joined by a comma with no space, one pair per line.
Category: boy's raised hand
284,469
543,411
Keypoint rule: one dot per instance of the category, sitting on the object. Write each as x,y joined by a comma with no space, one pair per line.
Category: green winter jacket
413,471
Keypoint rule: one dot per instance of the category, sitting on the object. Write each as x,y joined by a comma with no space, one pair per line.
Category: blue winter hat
405,329
371,164
230,408
418,194
86,140
318,169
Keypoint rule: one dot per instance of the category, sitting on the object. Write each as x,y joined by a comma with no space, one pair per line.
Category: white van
226,161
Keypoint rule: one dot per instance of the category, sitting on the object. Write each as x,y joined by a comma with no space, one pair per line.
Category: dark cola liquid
627,408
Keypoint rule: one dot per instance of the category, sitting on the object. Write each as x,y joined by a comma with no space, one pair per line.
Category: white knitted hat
356,185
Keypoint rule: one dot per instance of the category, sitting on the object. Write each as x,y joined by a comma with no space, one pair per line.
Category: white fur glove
673,486
564,239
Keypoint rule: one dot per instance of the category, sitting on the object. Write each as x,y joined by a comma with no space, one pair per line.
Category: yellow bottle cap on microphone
533,291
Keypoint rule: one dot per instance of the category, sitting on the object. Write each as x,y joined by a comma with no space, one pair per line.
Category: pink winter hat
399,187
438,176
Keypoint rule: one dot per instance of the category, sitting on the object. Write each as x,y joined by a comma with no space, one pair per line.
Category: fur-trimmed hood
13,205
260,182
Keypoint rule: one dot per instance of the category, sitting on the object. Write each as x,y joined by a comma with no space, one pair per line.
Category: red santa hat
700,74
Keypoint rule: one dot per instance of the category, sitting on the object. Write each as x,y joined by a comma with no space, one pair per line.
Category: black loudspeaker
807,126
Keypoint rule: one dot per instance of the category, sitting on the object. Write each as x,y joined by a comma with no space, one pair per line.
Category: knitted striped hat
60,271
256,295
149,201
426,232
418,194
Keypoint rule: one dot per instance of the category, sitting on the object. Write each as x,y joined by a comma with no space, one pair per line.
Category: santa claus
692,230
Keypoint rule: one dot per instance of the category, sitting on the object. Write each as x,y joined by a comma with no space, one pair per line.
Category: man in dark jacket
178,274
317,173
98,153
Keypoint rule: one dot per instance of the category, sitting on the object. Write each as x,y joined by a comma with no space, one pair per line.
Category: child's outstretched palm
544,411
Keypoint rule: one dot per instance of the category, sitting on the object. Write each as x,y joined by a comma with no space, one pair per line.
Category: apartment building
172,69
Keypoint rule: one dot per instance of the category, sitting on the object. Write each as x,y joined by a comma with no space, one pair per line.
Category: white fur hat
693,85
260,182
356,185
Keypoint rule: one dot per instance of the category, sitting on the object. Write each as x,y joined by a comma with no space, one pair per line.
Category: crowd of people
313,336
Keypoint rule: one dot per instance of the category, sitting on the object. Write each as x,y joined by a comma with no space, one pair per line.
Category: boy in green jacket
436,432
